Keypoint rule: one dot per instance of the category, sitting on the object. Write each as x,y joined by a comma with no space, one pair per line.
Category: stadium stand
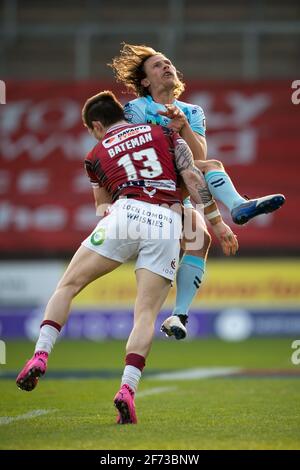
259,39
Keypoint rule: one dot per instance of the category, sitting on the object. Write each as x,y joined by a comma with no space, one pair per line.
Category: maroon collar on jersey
116,126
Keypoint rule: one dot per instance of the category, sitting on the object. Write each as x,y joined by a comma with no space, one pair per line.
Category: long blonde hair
128,68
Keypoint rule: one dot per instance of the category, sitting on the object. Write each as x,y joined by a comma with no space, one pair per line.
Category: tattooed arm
197,187
193,177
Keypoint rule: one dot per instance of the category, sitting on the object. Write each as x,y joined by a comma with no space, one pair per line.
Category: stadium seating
204,38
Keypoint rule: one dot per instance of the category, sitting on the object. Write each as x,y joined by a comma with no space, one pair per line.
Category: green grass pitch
211,413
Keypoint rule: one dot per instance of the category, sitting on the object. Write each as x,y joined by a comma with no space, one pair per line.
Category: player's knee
203,251
206,240
211,165
203,248
144,321
69,289
144,312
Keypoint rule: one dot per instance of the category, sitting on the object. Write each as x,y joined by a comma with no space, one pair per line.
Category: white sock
47,338
131,376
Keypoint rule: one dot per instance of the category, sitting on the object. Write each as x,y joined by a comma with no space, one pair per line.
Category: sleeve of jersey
90,172
177,139
197,121
133,113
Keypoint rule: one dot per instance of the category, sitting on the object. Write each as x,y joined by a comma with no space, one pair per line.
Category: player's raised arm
196,185
180,124
192,177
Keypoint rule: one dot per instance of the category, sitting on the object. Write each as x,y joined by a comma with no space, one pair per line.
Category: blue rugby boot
262,205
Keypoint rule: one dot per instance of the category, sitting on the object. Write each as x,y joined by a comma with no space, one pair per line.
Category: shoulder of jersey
193,107
136,101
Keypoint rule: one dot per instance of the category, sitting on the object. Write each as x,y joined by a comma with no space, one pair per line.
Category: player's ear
145,82
98,130
97,126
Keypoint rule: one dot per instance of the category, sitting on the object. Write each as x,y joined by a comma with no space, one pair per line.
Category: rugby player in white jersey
137,168
152,77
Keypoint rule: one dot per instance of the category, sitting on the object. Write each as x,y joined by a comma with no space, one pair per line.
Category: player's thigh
194,228
155,271
86,266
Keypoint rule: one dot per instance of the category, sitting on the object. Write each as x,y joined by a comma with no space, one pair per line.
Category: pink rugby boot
29,376
124,402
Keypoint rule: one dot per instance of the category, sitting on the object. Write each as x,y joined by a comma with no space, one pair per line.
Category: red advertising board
46,201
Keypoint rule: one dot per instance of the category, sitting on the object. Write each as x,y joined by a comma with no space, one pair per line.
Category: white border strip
155,391
29,415
195,374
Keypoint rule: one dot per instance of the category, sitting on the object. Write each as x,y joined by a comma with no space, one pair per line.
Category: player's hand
226,237
177,118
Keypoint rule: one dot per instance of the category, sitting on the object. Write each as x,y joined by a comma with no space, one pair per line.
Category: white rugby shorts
137,229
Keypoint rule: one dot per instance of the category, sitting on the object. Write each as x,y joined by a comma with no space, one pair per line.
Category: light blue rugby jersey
144,109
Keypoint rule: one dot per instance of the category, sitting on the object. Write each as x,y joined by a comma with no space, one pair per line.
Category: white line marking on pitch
155,391
29,415
194,374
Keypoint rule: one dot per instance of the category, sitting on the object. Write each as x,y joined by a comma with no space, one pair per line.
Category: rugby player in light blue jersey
155,81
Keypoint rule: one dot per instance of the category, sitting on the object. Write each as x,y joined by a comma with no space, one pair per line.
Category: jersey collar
116,126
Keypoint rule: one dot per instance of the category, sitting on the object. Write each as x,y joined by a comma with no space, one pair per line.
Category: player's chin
170,79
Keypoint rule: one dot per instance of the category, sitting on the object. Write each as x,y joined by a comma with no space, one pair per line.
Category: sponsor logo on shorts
173,263
98,237
168,271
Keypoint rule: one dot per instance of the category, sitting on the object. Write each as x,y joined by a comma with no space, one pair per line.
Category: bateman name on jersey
117,146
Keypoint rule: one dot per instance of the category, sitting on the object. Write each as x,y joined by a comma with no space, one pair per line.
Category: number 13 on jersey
152,167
